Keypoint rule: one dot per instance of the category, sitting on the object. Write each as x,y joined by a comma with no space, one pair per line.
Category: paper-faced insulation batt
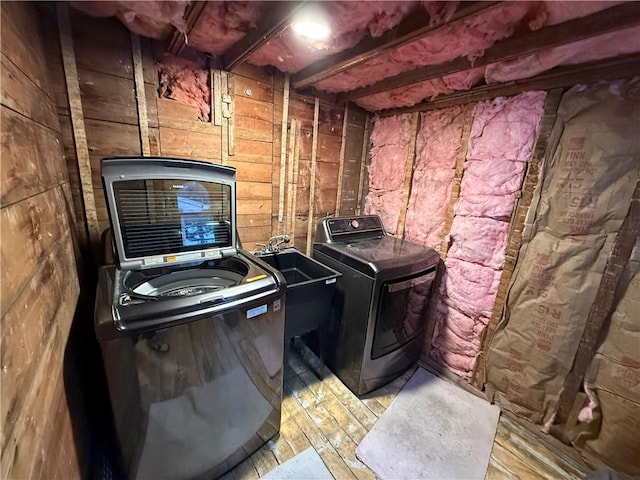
572,227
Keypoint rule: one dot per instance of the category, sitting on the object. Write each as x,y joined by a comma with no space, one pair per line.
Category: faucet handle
263,248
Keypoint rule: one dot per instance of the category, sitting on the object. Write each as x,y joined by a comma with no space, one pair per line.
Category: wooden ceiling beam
622,67
606,21
192,15
410,29
277,17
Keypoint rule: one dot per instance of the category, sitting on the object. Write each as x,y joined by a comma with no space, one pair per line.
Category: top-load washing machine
381,300
190,326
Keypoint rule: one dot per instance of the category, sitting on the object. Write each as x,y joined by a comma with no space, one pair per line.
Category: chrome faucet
273,245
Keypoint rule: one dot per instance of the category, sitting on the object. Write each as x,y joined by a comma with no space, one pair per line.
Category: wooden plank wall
245,143
253,152
250,141
356,120
38,259
103,55
329,144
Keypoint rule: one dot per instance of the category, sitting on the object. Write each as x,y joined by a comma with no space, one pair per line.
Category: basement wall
248,137
53,208
488,170
40,286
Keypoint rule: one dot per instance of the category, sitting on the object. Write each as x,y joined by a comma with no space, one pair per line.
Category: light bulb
311,30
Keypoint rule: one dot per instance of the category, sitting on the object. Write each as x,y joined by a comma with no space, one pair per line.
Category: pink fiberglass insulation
469,287
491,177
492,206
224,23
387,205
185,81
609,45
479,240
390,140
457,332
440,12
460,324
467,39
456,339
459,364
489,188
437,147
153,19
505,128
501,140
350,22
404,96
412,94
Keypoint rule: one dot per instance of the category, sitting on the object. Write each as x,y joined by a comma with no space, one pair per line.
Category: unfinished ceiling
382,55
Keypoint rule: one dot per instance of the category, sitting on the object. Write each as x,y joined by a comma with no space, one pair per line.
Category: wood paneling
31,227
252,151
22,43
254,129
102,45
257,89
251,172
29,323
254,207
20,93
254,220
329,148
32,158
352,160
111,98
189,144
253,191
248,107
249,236
39,280
174,114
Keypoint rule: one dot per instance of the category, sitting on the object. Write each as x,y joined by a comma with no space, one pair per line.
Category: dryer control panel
346,225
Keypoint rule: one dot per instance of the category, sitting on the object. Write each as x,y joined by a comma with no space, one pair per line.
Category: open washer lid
167,211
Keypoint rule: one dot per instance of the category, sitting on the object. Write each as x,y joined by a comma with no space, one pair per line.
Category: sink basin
297,268
310,288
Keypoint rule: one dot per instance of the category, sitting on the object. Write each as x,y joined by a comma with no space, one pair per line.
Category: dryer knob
355,223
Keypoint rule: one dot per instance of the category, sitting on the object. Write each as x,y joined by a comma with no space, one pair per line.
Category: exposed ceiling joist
192,15
407,31
609,20
611,69
276,19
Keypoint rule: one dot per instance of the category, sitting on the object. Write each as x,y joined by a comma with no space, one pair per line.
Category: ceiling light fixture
312,30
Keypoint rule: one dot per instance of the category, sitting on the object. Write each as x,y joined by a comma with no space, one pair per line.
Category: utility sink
310,289
298,269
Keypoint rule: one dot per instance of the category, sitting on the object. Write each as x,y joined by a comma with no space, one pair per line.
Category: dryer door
401,312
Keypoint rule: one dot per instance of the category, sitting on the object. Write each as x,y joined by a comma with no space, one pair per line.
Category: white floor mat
432,430
306,465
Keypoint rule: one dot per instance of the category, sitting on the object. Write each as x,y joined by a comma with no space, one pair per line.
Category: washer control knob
355,223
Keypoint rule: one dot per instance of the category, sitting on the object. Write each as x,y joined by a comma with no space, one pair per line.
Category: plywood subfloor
325,415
